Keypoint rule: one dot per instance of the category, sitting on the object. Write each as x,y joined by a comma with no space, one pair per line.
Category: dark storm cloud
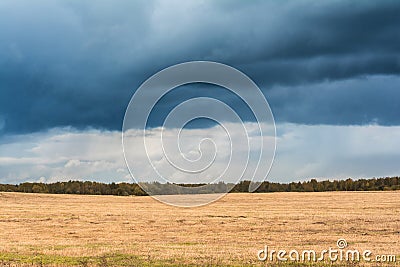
78,63
351,102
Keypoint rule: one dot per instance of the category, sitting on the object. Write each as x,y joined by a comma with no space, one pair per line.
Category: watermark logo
177,155
340,253
341,243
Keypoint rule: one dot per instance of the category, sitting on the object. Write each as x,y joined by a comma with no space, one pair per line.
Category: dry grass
42,229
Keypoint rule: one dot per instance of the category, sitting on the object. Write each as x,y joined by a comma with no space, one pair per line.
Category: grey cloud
78,63
368,100
303,152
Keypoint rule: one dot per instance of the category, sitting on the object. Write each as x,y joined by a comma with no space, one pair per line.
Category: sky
330,71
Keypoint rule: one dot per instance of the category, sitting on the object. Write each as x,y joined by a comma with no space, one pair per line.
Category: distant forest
127,189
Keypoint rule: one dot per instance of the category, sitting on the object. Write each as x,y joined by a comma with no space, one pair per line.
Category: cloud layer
77,64
303,151
330,71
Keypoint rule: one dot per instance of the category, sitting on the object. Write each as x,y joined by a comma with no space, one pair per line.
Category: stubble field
75,230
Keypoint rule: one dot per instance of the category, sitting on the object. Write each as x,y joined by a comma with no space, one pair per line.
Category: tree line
127,189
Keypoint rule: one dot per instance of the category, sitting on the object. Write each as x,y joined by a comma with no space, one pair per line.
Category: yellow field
44,229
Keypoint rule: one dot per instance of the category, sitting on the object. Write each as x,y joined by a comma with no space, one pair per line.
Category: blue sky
69,68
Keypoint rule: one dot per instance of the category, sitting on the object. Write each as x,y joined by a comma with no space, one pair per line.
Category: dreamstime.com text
339,253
